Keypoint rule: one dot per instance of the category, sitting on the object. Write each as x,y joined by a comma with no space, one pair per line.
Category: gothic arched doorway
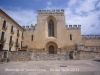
51,49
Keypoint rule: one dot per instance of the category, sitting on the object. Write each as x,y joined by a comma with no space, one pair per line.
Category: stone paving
69,67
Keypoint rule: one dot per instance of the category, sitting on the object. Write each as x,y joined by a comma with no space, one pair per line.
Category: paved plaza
69,67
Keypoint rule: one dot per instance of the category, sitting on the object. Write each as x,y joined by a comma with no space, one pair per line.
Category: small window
11,28
70,36
10,39
17,32
21,43
22,35
16,40
4,24
2,35
9,48
32,38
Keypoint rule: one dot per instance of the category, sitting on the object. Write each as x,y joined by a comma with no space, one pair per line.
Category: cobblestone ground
69,67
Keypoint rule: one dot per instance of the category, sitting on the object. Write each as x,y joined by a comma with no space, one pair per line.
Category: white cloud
23,17
98,5
81,12
72,2
84,12
86,6
49,3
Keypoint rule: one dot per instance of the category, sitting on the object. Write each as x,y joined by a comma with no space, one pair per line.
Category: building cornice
11,19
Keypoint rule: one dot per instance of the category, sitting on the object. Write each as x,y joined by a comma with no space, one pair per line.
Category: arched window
51,28
70,36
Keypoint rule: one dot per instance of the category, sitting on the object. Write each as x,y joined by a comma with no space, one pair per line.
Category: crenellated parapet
70,27
87,37
51,11
31,27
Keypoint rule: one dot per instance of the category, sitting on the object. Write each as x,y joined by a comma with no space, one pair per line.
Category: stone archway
51,47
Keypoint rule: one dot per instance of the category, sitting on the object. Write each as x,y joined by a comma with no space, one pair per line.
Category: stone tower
51,32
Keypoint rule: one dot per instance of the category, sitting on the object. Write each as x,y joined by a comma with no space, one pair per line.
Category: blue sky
83,12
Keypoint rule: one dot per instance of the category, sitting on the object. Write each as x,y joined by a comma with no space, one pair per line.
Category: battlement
73,26
90,36
51,11
31,27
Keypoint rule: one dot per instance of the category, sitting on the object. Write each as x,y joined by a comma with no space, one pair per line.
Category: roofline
11,19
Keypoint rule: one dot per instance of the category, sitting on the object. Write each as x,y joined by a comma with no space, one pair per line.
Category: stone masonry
31,56
49,39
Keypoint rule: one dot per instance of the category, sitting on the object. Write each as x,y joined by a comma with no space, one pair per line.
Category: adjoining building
11,33
50,35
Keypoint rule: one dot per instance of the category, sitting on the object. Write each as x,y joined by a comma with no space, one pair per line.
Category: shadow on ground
98,60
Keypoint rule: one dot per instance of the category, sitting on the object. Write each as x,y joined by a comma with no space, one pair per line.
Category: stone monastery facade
50,35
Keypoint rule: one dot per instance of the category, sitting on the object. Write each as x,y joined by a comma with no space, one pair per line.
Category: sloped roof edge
11,19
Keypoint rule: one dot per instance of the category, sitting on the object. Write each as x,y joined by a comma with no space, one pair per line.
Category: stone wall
39,57
1,53
20,55
81,55
31,56
17,55
89,55
91,42
92,48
